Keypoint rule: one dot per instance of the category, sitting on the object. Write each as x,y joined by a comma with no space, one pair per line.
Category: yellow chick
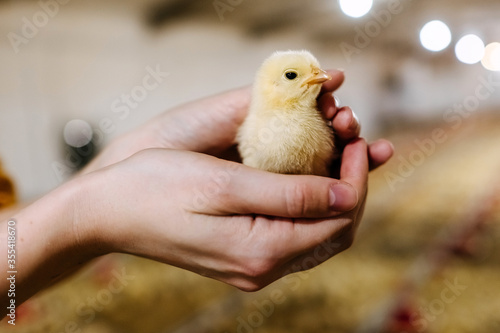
284,132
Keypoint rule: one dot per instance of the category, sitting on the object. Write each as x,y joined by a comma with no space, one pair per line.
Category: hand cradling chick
284,132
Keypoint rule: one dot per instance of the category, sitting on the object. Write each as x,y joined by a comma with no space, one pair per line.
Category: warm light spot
491,58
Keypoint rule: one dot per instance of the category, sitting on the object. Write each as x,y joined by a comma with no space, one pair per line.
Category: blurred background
425,74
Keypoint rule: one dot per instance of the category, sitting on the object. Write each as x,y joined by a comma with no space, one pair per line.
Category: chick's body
284,132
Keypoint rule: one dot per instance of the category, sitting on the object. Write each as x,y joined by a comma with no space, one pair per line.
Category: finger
354,167
327,105
379,152
252,191
310,252
345,124
354,171
317,240
225,111
335,82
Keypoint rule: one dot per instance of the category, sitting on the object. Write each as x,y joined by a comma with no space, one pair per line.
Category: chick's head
289,77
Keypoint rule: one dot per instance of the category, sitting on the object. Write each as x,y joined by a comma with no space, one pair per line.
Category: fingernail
342,197
354,124
337,101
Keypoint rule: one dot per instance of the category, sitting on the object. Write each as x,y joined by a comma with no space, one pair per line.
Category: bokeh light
435,36
77,133
491,58
469,49
355,8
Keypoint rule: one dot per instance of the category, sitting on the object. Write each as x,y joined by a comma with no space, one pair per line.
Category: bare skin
163,192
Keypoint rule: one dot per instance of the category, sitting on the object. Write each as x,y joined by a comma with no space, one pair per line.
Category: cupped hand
218,218
210,125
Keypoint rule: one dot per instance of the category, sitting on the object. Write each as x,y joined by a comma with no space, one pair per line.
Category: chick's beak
319,76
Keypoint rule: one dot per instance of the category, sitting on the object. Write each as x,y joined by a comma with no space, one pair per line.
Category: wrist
97,217
49,244
88,213
54,220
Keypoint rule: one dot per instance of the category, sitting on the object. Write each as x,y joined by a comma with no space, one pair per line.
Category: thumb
253,191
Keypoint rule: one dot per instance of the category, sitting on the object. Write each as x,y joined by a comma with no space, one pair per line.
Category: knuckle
217,188
251,276
249,286
254,275
258,269
347,236
297,199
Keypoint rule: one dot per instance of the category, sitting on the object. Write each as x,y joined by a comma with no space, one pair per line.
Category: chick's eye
290,75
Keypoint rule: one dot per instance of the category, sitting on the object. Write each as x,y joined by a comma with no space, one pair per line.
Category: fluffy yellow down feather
284,132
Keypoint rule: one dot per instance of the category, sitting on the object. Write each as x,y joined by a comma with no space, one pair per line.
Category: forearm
8,212
43,243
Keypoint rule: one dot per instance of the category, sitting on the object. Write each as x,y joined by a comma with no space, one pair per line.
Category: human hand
209,126
221,219
160,204
218,218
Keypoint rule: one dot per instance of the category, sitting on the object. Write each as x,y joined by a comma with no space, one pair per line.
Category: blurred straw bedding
425,260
